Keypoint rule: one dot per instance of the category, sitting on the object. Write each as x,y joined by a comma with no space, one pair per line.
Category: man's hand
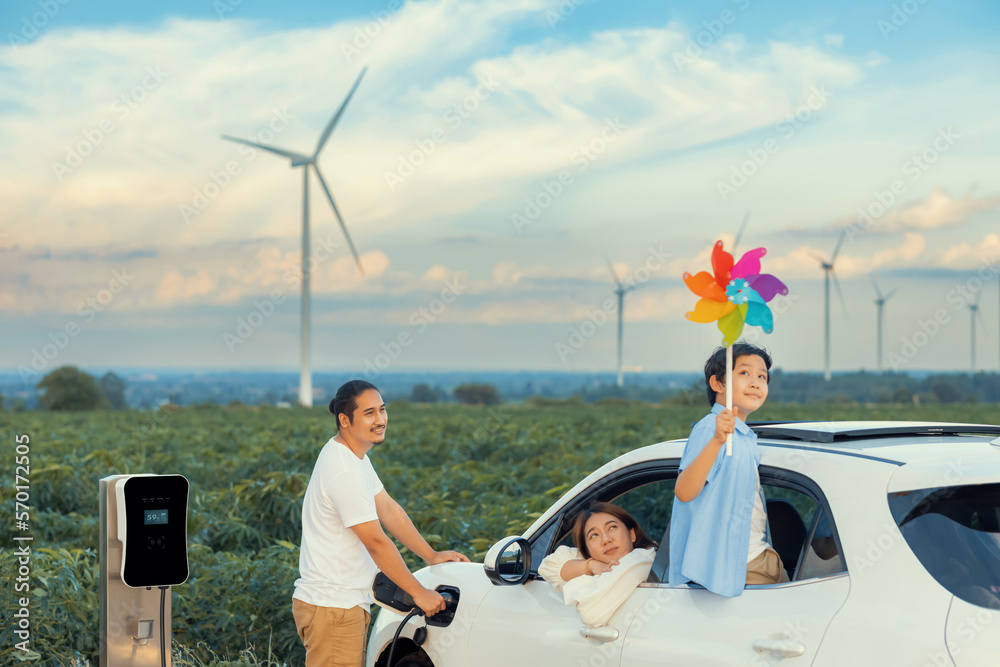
725,423
447,557
429,601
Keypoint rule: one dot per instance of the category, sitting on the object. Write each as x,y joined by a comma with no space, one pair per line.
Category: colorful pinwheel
736,295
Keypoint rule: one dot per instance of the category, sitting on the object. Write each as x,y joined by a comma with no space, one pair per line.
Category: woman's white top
597,597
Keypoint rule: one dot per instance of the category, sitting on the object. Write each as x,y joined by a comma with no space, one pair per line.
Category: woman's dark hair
716,364
642,540
346,400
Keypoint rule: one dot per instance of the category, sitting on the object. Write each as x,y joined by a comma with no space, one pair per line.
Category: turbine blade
611,268
739,234
343,227
818,258
891,292
277,151
836,283
875,285
840,242
336,116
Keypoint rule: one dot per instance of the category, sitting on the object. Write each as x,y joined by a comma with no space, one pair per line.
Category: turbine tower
739,234
828,271
973,312
307,161
880,302
620,291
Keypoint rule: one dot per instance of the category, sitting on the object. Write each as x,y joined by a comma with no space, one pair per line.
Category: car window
540,544
802,529
650,505
821,557
648,497
955,533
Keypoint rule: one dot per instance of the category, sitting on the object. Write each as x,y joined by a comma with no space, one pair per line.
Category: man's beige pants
332,637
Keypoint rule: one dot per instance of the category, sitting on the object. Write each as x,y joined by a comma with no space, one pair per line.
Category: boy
718,529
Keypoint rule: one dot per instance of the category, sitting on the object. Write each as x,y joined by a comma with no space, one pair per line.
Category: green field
467,476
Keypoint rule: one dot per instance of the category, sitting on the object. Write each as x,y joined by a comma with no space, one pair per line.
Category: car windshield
955,533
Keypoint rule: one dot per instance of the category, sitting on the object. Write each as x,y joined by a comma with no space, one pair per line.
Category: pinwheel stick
729,394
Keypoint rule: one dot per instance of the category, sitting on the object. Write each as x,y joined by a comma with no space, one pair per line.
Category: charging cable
163,636
392,649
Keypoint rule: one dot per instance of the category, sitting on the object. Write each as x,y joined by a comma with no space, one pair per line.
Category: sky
493,155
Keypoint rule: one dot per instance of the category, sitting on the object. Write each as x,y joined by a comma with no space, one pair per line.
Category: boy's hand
725,423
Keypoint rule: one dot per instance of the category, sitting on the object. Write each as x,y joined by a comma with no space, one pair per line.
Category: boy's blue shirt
710,536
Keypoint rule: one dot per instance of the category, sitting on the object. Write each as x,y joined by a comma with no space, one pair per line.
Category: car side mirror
508,562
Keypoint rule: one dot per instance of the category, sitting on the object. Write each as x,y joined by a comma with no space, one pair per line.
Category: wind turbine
828,271
620,291
973,312
739,234
307,161
736,239
880,302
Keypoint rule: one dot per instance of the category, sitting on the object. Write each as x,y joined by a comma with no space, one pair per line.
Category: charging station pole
143,551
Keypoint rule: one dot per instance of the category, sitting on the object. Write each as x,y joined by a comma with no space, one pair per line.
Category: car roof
945,451
901,442
897,442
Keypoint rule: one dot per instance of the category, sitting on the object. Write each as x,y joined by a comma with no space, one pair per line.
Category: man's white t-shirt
335,569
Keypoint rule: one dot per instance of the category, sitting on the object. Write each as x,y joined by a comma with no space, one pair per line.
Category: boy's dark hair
716,364
346,400
642,540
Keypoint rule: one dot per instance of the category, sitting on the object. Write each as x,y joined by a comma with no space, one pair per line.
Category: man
343,541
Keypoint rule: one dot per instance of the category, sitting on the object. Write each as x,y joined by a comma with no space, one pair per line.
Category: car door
766,624
530,624
688,625
532,619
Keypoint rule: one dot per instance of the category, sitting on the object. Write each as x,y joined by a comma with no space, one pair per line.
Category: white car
890,532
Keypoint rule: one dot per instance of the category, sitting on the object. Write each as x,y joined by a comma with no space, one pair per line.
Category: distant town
146,389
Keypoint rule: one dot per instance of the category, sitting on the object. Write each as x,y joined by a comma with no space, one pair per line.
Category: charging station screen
153,509
154,517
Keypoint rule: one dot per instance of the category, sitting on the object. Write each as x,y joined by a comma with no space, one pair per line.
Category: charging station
143,552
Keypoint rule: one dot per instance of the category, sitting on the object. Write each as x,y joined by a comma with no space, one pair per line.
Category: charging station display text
155,517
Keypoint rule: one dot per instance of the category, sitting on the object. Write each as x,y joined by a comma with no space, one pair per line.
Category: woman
612,556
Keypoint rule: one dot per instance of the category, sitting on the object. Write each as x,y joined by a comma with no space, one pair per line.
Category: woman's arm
578,567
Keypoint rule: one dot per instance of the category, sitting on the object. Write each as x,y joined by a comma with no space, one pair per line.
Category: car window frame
543,540
610,486
797,481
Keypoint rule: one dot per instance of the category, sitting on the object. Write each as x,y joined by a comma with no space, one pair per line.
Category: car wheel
418,659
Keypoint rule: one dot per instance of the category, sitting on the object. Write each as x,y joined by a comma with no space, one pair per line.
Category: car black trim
774,430
826,450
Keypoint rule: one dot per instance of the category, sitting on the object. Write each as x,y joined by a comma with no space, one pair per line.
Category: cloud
152,142
966,255
938,209
175,286
804,261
